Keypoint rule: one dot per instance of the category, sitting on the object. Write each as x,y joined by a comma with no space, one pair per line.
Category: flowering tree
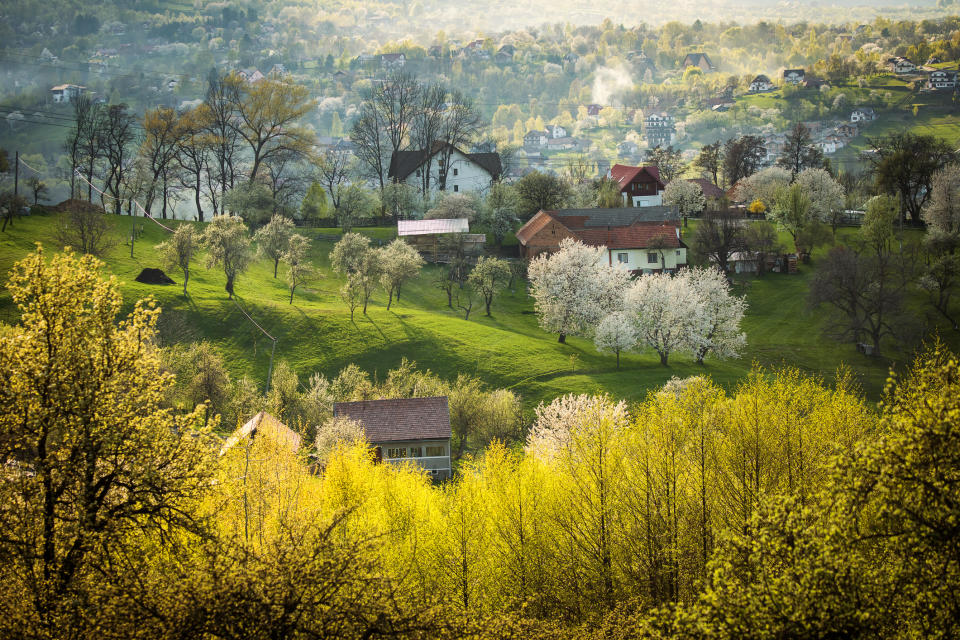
398,262
227,241
273,239
826,195
717,315
763,186
688,196
663,309
575,287
489,276
615,333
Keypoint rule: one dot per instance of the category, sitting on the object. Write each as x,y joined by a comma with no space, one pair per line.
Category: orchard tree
489,276
454,205
792,212
717,315
177,252
710,160
273,239
575,287
399,200
499,211
314,207
399,262
615,333
227,241
663,308
299,269
355,205
763,186
668,161
347,254
540,191
827,198
942,212
686,195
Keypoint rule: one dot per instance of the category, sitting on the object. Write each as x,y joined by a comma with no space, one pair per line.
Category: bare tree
86,229
372,144
333,172
461,123
217,117
118,134
427,125
196,147
158,152
396,99
718,236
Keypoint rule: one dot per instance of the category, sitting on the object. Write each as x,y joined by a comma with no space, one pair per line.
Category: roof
625,174
615,217
399,419
617,228
761,78
404,163
266,424
533,226
696,58
61,87
709,189
427,227
638,236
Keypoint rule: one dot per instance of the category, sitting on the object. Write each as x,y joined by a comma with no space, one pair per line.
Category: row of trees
577,292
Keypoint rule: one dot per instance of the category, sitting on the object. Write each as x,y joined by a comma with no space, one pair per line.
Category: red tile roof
638,236
399,419
625,174
533,226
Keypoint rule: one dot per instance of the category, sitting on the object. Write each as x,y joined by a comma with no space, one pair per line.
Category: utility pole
16,174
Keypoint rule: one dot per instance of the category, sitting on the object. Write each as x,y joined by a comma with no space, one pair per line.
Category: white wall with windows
431,455
649,259
465,175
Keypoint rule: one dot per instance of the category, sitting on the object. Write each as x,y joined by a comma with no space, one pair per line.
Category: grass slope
315,333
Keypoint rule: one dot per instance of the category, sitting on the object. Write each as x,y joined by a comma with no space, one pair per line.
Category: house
251,76
279,69
761,84
561,144
505,53
848,130
466,172
639,186
535,138
698,59
711,192
64,93
405,430
571,58
942,79
556,131
863,114
628,148
900,65
392,60
593,110
264,425
794,76
659,129
643,241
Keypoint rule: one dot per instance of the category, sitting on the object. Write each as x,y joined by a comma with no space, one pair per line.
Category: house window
623,258
456,171
416,452
678,252
418,173
397,452
653,258
456,188
436,451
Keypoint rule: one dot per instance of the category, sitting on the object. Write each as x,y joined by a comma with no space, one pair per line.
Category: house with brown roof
405,430
643,240
639,186
699,59
263,425
466,172
711,192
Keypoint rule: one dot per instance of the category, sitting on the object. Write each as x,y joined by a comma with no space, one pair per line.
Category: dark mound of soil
153,276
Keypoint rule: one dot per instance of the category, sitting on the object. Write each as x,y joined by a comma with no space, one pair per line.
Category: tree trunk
291,295
663,357
562,339
618,359
390,299
276,264
229,287
186,277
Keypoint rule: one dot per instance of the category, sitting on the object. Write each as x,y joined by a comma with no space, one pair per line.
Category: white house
556,131
863,114
900,65
473,172
393,60
794,76
942,79
761,84
659,129
535,138
67,92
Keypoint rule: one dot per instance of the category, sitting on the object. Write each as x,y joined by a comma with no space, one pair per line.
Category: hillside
508,349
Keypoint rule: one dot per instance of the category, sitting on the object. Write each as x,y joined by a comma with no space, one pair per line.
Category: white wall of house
639,259
464,175
644,201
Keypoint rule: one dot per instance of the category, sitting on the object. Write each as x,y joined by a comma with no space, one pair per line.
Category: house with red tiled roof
405,430
711,192
639,186
643,240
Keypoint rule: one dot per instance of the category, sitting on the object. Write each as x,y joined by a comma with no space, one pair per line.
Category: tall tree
217,117
710,160
118,136
460,125
177,252
742,157
396,99
799,152
372,143
904,165
536,191
426,128
719,235
161,142
669,161
227,241
273,239
333,172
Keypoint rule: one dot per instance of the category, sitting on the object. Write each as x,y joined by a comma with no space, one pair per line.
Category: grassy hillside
315,333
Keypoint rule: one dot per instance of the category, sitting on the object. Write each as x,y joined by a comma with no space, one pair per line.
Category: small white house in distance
761,84
405,430
467,171
863,114
67,92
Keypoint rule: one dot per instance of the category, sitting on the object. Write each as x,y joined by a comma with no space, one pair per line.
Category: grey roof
620,216
399,419
404,163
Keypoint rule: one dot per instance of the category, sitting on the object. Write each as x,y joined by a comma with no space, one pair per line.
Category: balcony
430,463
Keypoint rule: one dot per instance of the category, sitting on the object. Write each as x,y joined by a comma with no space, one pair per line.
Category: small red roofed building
639,186
643,240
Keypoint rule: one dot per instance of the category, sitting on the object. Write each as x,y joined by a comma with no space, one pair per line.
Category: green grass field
315,333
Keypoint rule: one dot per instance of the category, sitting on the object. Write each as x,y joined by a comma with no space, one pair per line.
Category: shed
438,239
264,424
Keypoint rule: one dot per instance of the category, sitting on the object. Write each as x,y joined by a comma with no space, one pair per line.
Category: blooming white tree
615,333
663,309
575,287
571,421
717,315
398,262
763,186
826,195
686,195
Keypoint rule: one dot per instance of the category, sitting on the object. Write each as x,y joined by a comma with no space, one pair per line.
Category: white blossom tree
615,333
686,195
717,315
826,195
347,254
575,287
663,310
763,186
273,239
398,262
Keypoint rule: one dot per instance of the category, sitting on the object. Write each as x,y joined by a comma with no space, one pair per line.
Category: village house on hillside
639,186
642,240
863,114
65,93
405,430
794,76
900,65
942,80
761,84
467,171
659,128
699,59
